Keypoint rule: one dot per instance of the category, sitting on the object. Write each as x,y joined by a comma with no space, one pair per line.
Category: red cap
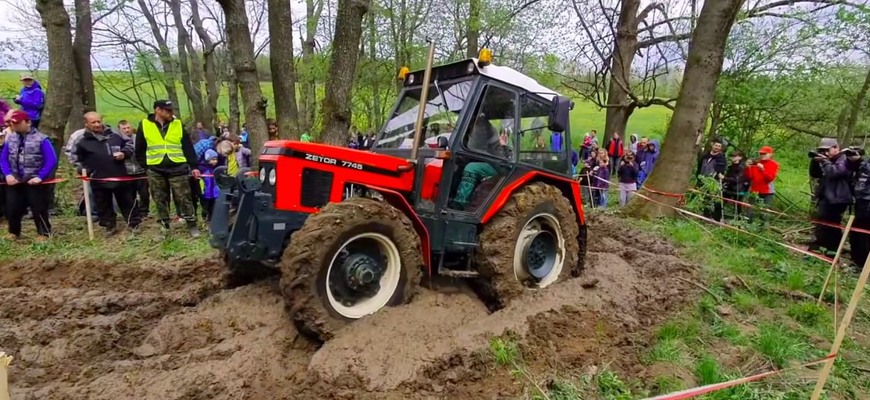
766,150
18,116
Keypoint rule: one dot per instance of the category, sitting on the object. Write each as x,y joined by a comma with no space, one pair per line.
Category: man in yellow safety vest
164,148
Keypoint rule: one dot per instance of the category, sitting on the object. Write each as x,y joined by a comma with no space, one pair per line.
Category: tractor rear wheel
350,260
532,243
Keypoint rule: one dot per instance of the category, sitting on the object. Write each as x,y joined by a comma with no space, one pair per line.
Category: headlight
273,177
263,174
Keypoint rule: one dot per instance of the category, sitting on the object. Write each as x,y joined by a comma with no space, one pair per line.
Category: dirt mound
172,330
629,284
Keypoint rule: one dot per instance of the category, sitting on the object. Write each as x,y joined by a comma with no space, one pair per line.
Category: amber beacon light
484,57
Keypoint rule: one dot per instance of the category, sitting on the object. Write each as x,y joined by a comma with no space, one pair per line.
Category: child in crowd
600,178
208,186
227,149
627,173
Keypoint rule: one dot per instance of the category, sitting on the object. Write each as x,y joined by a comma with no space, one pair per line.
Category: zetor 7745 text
470,177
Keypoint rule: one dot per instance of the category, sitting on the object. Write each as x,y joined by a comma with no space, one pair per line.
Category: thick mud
170,330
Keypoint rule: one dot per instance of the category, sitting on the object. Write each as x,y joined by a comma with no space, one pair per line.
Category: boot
164,231
110,231
193,230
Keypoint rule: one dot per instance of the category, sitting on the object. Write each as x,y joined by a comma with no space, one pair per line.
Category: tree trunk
620,70
342,70
375,112
472,32
188,80
209,68
166,60
716,119
61,60
233,92
703,67
82,53
242,51
857,108
313,10
282,66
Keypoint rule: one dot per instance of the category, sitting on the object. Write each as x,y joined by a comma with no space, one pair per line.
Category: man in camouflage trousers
164,148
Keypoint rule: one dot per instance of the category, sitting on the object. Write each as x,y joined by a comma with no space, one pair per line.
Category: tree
282,66
190,79
163,51
61,60
242,53
209,67
342,70
308,109
703,67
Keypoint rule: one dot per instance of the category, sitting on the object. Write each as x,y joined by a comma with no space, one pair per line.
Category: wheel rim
539,252
363,275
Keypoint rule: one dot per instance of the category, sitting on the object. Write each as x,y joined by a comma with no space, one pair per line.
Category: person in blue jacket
27,160
31,99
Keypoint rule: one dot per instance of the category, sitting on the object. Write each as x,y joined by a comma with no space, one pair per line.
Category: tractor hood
337,167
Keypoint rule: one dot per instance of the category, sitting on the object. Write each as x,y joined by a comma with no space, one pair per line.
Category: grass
586,116
767,327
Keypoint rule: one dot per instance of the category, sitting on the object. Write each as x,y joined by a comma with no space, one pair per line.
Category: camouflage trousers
163,188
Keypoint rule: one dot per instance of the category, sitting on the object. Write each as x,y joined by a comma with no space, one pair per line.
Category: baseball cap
827,143
164,104
765,150
26,76
18,116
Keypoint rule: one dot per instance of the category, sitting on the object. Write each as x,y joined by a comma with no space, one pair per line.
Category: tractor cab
484,126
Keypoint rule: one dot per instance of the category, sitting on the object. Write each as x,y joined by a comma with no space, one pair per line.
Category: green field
586,116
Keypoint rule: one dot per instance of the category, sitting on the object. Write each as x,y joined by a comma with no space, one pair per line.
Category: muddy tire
533,242
349,260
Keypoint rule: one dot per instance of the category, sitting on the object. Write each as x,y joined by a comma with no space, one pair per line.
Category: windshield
445,101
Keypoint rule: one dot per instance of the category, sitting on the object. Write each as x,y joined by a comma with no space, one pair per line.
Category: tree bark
61,60
242,54
82,51
165,55
209,68
472,31
313,11
281,61
625,46
703,67
188,79
857,108
342,70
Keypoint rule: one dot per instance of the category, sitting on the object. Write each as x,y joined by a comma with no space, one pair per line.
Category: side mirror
442,142
559,114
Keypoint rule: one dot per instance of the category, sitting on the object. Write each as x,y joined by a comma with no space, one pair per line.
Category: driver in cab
483,139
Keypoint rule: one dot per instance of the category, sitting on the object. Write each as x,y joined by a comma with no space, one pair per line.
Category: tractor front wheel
533,242
349,260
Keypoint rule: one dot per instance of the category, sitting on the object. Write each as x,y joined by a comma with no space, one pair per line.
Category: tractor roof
500,73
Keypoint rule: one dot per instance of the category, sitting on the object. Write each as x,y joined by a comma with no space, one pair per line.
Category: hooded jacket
834,187
94,152
712,164
32,100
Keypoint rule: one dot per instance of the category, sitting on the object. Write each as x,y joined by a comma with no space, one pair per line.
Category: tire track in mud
171,330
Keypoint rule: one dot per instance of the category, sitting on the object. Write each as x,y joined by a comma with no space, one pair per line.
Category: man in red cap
26,161
761,174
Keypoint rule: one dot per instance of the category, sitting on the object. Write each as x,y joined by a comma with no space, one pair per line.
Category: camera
813,154
853,151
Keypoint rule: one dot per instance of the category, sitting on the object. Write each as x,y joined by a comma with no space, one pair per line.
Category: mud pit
169,330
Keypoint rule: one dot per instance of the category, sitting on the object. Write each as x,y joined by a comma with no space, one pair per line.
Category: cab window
538,145
492,127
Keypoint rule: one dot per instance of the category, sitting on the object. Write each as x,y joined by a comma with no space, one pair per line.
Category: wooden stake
836,257
841,332
86,184
4,377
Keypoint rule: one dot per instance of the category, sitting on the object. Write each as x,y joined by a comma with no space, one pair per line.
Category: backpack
862,181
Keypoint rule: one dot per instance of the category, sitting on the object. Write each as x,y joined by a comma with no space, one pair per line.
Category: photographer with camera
833,194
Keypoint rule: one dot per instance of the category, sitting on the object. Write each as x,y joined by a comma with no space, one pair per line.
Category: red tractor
470,177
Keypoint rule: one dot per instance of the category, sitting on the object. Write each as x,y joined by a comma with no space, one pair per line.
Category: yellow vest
232,164
160,146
